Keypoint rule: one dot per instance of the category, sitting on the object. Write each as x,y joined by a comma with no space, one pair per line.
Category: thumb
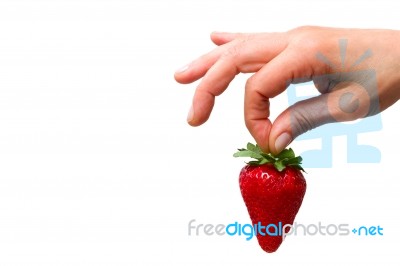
348,101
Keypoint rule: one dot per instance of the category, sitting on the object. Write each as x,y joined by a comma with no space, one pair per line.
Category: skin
280,58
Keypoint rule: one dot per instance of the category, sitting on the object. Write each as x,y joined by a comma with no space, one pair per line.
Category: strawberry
272,188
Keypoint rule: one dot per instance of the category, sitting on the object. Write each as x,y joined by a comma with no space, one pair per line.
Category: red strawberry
273,188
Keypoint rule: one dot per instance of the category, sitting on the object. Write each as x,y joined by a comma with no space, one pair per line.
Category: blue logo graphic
366,81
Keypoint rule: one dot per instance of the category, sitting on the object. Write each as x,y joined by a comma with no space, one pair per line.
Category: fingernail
182,69
190,115
282,141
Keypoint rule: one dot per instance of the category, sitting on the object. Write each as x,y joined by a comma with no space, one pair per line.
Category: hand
299,55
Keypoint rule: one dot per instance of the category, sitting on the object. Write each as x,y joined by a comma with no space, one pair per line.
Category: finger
274,77
268,82
256,113
220,38
199,67
349,101
213,84
240,57
260,46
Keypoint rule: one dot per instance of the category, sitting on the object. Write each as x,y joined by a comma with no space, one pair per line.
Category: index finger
240,56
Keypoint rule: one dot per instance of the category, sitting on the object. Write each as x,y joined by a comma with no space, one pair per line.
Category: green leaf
251,147
295,160
263,161
298,167
279,165
246,153
268,157
286,158
258,149
287,153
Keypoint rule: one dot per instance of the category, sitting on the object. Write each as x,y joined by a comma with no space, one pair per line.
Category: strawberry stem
280,161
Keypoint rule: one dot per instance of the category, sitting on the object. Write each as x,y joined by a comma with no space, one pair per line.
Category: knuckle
302,29
230,52
309,41
248,123
248,37
250,84
306,38
323,84
235,50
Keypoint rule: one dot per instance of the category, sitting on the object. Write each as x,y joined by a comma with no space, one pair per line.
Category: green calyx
280,161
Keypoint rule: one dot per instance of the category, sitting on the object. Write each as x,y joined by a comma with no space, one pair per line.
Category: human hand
278,59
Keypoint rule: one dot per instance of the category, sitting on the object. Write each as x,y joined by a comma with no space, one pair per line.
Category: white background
97,163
